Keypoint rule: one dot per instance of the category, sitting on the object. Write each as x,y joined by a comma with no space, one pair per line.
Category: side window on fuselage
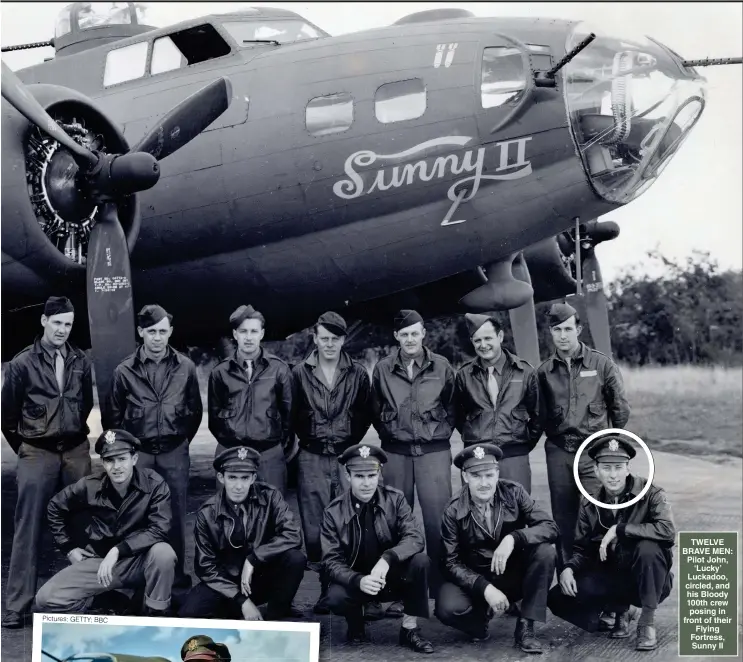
329,114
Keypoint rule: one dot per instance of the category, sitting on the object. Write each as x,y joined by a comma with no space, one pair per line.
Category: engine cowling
44,223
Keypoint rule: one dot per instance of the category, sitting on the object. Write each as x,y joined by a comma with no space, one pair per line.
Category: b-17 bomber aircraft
251,157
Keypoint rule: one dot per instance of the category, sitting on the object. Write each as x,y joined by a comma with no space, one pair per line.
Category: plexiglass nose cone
631,104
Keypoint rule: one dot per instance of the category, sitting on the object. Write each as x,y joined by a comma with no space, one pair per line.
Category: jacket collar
465,506
425,360
632,488
256,495
170,355
348,512
343,362
69,349
261,361
580,355
139,482
507,358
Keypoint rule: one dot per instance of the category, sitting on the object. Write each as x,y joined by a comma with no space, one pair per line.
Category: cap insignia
193,645
479,453
242,453
364,451
109,437
613,445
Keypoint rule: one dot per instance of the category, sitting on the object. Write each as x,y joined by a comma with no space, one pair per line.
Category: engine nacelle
44,225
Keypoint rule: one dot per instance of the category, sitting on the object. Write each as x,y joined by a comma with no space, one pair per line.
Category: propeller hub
60,181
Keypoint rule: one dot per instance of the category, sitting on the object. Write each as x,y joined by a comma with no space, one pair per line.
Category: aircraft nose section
631,104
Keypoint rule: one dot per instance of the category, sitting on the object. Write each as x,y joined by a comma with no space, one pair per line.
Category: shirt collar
51,351
144,357
499,364
579,355
404,362
358,504
632,488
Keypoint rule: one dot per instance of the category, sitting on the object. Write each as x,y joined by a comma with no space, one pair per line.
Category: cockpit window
187,47
127,63
631,104
246,33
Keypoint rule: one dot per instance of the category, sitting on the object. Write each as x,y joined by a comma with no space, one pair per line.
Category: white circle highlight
634,437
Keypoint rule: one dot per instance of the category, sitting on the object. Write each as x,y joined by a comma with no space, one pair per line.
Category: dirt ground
705,494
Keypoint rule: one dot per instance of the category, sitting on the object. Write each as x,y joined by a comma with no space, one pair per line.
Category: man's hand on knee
371,585
250,612
567,583
105,570
78,554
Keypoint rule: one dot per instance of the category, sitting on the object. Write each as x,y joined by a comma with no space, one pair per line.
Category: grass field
687,409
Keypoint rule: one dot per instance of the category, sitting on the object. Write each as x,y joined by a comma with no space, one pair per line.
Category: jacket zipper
358,542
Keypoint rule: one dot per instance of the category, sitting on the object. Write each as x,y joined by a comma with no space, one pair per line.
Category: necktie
492,386
59,369
249,368
410,369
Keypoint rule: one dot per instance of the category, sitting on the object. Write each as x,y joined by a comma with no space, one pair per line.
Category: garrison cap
559,312
362,456
243,313
333,322
239,458
58,306
151,315
478,457
201,647
406,318
112,442
475,321
611,449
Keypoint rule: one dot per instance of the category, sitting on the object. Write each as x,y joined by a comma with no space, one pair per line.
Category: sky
64,639
696,203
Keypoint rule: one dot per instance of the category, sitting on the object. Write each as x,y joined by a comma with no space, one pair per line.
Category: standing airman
47,397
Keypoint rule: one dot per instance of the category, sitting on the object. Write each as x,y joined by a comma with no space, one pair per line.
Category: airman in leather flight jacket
33,409
398,532
271,530
575,402
467,548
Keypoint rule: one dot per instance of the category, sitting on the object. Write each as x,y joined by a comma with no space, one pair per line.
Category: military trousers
272,469
644,581
430,476
406,581
528,576
40,474
565,495
275,583
174,466
73,589
320,479
516,469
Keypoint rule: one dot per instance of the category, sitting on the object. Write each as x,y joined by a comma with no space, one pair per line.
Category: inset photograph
67,638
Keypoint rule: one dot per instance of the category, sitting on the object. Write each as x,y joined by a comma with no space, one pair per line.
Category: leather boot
647,639
525,638
621,629
411,638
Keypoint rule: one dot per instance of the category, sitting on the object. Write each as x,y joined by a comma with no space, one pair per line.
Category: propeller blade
524,319
110,304
187,120
18,96
597,313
